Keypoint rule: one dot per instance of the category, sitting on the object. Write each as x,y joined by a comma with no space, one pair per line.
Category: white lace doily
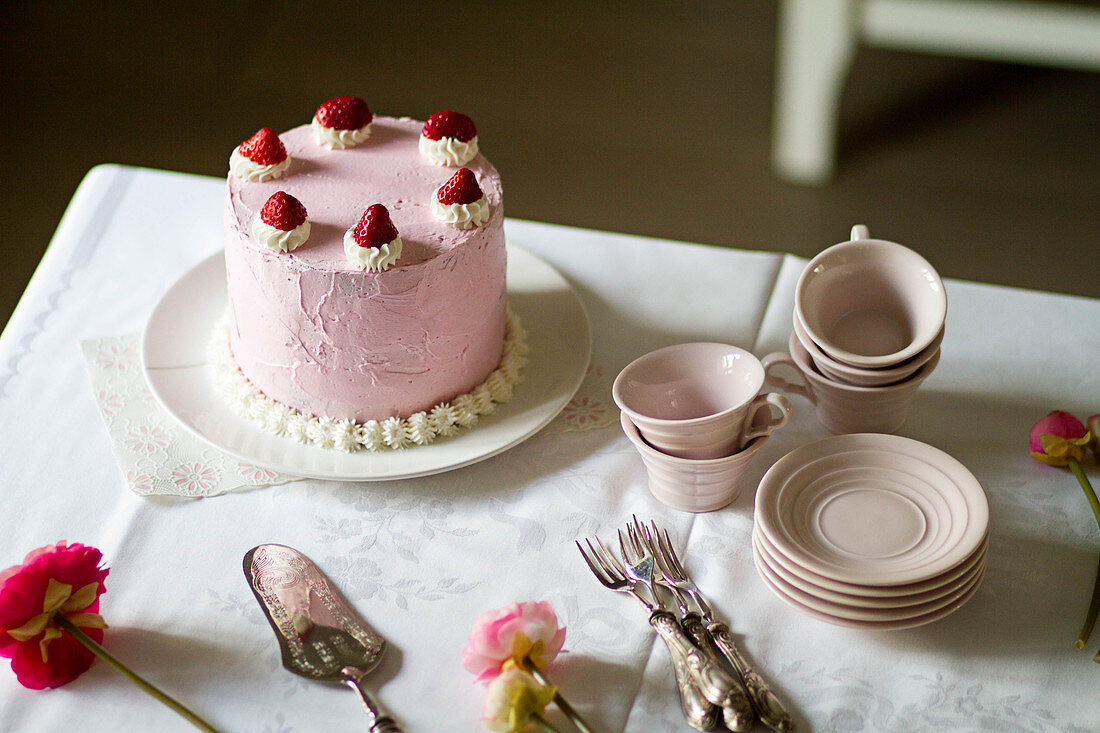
155,454
394,433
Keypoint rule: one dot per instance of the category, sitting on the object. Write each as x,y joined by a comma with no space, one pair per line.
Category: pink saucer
860,509
882,624
947,583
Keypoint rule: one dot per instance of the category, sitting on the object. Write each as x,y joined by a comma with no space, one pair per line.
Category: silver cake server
320,635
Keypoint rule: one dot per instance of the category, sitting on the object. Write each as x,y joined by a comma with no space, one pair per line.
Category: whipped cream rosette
373,244
281,225
261,157
460,202
449,138
342,122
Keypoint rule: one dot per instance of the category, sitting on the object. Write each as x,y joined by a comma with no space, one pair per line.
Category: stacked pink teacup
868,322
696,415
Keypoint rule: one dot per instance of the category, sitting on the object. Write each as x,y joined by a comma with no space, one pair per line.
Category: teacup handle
765,402
859,231
780,358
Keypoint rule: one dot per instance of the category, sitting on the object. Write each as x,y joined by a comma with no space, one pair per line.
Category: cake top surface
337,186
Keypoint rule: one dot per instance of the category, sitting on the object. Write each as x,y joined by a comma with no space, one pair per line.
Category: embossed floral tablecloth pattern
422,558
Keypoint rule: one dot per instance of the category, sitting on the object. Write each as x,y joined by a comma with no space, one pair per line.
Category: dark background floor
650,118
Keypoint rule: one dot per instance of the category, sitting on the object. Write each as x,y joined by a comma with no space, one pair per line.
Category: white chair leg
817,41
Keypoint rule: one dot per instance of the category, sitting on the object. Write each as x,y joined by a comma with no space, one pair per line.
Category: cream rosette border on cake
393,433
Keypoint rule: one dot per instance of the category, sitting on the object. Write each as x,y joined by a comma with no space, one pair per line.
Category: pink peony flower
50,625
517,631
1057,438
513,699
61,578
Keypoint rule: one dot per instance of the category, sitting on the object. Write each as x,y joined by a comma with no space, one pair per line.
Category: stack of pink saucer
871,531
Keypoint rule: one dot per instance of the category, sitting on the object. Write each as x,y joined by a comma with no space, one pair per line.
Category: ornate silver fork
698,712
673,575
722,689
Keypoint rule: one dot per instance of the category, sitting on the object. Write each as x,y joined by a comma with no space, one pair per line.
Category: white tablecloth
422,558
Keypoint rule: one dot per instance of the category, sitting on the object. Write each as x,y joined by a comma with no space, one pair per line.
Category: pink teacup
847,408
840,372
870,303
698,400
692,485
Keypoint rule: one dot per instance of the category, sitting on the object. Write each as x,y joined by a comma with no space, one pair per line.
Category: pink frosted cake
365,270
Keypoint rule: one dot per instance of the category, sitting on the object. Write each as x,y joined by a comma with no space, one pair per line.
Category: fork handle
771,710
737,711
716,684
738,715
700,713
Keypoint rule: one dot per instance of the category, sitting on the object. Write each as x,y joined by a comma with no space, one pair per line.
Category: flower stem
1090,617
1082,479
126,672
1094,604
565,707
544,723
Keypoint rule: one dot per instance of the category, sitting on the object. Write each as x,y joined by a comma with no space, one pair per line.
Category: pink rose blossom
1057,438
520,630
61,578
50,625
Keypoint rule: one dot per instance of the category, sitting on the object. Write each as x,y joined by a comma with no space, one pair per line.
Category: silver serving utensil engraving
767,703
321,637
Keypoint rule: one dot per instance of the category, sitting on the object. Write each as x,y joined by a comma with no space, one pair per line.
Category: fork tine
675,566
657,549
609,562
655,535
598,572
607,565
595,556
632,550
626,546
641,544
637,530
644,539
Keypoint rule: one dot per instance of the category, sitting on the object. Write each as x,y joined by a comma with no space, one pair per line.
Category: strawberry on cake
373,244
343,122
281,224
367,300
261,157
460,202
449,138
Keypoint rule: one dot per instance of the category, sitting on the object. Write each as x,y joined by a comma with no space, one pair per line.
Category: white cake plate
174,359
